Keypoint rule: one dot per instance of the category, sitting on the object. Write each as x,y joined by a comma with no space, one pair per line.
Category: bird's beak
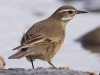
80,12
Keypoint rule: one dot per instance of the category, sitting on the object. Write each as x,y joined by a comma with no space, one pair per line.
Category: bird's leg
32,63
52,64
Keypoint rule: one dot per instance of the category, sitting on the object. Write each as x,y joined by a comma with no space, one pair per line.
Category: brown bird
2,63
43,40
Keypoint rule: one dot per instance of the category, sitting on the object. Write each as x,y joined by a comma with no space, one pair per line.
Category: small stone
2,63
92,73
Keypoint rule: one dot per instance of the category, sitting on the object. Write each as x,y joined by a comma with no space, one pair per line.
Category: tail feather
18,55
20,47
17,47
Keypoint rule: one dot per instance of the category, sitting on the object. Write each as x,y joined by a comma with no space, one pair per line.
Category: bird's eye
70,12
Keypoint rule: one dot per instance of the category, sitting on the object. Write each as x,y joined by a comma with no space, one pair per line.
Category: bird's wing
30,41
32,36
35,50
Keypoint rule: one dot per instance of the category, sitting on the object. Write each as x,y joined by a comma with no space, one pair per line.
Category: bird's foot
61,68
65,68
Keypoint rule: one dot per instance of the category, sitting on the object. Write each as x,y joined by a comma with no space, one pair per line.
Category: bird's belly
45,51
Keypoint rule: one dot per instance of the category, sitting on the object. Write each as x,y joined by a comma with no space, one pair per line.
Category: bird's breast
55,33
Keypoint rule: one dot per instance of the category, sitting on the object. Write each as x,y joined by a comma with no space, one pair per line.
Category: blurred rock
91,40
42,72
92,37
2,63
92,5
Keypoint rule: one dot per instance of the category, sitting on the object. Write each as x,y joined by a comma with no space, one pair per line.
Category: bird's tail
18,55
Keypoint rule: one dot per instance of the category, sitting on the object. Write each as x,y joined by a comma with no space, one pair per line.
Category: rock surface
21,71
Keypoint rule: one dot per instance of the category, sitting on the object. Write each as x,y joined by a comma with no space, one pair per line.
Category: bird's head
66,13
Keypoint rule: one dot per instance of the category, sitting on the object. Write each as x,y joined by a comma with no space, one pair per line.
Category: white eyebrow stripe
66,10
63,11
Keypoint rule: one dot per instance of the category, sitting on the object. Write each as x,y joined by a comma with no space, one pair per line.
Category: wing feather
31,41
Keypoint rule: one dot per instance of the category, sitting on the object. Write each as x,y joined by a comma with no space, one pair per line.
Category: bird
2,63
44,38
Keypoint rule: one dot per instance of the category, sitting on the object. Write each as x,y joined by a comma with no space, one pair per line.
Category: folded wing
30,42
